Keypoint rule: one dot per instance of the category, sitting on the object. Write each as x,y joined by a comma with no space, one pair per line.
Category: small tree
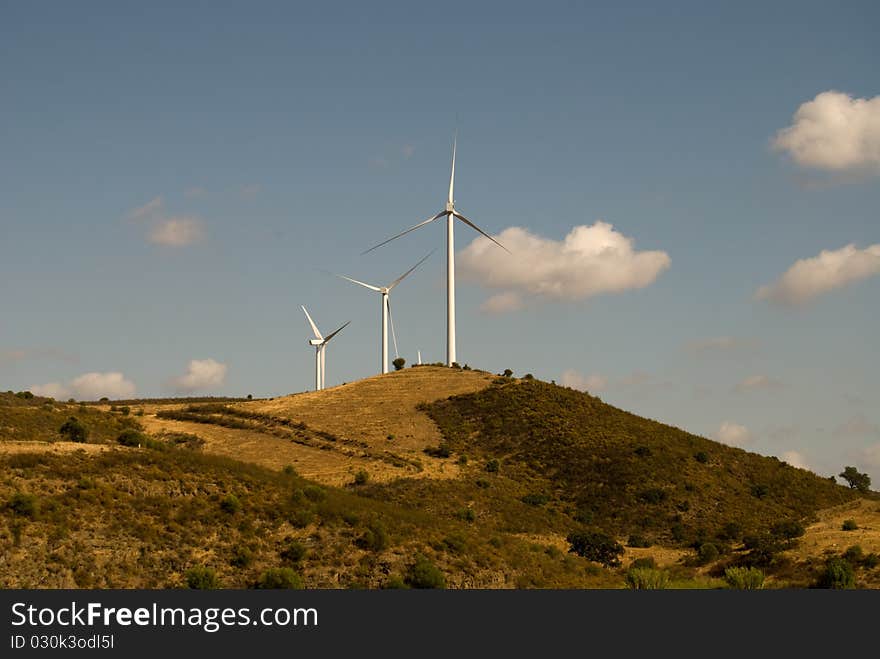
507,372
361,477
838,575
399,363
74,430
855,479
424,574
596,546
201,578
280,578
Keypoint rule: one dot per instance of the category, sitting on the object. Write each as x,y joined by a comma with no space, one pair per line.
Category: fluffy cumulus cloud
831,269
592,383
757,383
834,132
795,459
201,374
734,434
589,261
89,386
177,231
165,229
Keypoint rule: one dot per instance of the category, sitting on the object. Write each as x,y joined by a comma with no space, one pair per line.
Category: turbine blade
332,334
476,228
403,233
393,334
404,275
452,175
360,283
312,323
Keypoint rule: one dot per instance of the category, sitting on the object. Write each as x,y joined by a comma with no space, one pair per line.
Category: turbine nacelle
315,342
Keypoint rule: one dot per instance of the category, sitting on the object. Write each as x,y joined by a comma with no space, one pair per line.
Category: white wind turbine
320,343
450,213
386,312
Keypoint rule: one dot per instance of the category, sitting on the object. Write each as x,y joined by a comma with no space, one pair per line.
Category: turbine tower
451,214
385,313
320,343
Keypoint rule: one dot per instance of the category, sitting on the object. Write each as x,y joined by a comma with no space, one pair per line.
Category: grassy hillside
624,473
419,477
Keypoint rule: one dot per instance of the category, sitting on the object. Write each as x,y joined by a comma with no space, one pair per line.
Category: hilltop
469,478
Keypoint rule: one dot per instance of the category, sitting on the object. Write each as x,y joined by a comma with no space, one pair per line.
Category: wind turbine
451,214
386,311
320,343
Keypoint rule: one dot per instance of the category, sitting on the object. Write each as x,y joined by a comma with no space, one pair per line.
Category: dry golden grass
367,411
827,533
13,447
371,409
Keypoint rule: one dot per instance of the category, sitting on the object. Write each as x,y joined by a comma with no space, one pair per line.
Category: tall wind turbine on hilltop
451,214
386,312
320,343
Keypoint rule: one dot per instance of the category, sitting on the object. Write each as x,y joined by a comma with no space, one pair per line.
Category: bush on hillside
646,579
850,525
398,363
744,578
595,546
855,479
73,430
838,575
201,578
424,574
279,578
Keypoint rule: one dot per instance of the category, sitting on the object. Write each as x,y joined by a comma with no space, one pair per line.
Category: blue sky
276,141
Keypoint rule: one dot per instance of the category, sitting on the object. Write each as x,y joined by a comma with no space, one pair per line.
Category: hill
466,477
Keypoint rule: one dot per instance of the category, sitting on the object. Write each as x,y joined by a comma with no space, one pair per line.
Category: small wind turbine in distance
450,213
320,343
386,312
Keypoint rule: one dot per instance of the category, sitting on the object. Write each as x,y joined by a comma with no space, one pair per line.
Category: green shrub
482,483
125,409
294,552
424,574
732,531
230,504
201,578
744,578
871,561
653,495
441,451
466,514
701,456
132,438
398,363
838,575
492,466
707,553
361,477
74,431
507,373
636,540
760,490
850,525
528,376
241,556
641,578
788,530
314,493
395,581
645,562
535,499
280,578
595,546
24,505
643,452
374,538
854,554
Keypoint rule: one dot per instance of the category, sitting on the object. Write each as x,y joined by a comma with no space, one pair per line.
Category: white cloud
834,132
757,383
177,231
795,459
733,434
592,383
503,303
721,345
589,261
89,386
149,210
201,374
168,230
831,269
